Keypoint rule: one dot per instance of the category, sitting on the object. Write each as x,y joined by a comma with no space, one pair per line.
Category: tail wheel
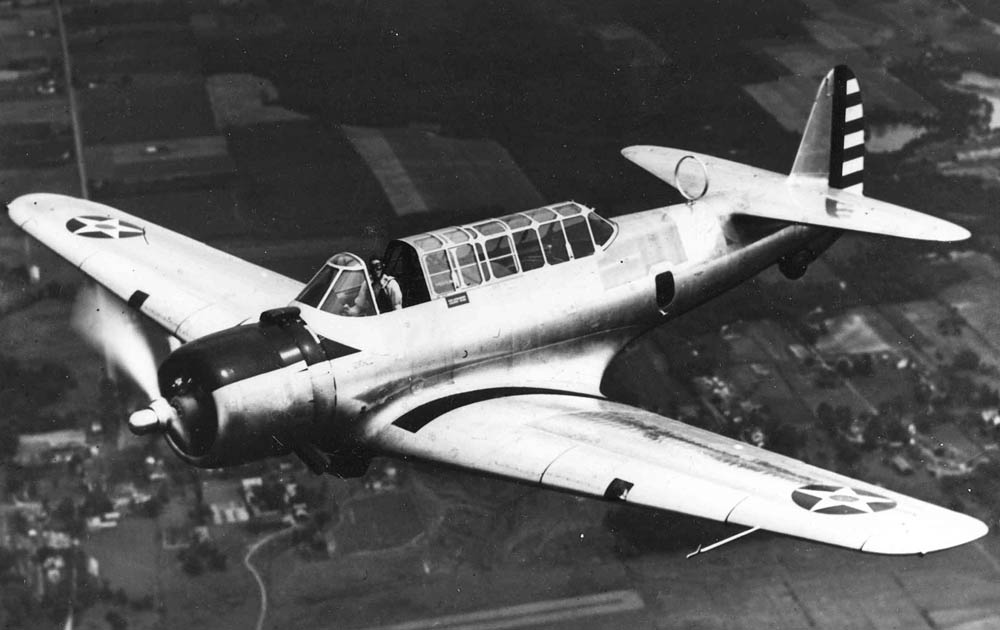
795,265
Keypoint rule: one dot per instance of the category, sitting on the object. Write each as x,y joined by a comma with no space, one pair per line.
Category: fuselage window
515,221
350,295
502,262
541,214
601,228
490,228
439,271
553,242
579,237
317,287
428,242
456,235
529,250
568,209
460,257
468,266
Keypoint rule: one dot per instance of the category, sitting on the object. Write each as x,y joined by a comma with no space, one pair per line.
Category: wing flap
584,469
187,287
613,451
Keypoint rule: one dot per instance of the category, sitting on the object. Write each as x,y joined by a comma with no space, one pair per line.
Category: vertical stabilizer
833,144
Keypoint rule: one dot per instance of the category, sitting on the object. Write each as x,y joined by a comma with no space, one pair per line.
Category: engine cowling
246,393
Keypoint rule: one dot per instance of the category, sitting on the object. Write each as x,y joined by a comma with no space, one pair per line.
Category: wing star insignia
824,499
103,227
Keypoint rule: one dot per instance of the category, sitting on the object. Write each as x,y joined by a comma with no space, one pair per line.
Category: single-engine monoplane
494,362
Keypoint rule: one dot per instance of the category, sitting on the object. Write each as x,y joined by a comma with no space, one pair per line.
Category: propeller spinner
153,419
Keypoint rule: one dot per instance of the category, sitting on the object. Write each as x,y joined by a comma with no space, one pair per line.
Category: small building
228,513
947,468
950,439
991,417
39,449
108,520
901,465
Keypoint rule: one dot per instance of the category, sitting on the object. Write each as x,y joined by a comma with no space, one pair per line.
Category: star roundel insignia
103,227
840,500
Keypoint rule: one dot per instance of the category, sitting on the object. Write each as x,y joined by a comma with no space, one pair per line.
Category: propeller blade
107,324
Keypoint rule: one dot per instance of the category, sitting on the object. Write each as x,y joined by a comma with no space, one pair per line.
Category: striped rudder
847,132
832,151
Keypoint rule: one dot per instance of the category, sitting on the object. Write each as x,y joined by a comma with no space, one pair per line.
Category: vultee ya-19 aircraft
495,360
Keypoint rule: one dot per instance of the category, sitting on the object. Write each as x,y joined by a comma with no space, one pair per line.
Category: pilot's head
375,267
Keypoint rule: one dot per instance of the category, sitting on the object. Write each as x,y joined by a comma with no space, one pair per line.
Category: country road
256,574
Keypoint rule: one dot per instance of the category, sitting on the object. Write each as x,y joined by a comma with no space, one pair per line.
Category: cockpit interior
436,264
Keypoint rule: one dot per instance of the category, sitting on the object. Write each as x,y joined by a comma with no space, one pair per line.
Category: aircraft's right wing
610,450
187,287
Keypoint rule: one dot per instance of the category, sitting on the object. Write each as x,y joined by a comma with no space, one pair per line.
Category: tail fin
830,162
833,144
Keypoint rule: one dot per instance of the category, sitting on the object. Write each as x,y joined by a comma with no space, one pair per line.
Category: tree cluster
17,605
24,390
201,555
877,429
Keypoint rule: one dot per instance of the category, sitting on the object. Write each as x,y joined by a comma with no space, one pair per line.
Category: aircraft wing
187,287
605,449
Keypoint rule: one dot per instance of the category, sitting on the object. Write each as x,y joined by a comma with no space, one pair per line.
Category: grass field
34,110
850,333
381,521
129,555
21,181
41,333
422,172
147,111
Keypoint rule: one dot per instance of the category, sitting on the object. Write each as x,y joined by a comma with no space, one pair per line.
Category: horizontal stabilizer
751,191
847,211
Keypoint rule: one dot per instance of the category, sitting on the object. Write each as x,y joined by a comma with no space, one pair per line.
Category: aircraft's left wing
620,453
187,287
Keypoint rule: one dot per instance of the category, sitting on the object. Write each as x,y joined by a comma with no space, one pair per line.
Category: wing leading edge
616,452
187,287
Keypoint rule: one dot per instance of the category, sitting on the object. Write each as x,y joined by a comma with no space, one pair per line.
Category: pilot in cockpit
388,295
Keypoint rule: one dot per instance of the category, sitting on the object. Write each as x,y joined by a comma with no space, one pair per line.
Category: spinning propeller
106,323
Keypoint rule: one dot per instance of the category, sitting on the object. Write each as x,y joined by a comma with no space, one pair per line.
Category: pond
892,137
987,88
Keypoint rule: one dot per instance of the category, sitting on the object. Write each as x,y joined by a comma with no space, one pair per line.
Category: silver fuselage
552,328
